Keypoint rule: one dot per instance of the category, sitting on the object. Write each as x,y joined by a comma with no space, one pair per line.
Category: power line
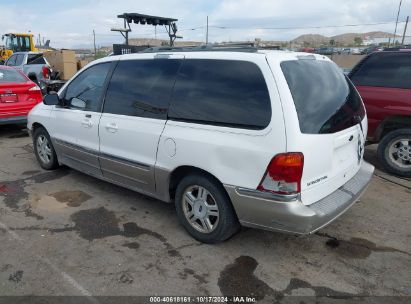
287,28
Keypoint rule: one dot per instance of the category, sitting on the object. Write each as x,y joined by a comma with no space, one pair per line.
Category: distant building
385,40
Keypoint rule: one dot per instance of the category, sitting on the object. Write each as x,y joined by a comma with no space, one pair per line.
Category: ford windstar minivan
265,139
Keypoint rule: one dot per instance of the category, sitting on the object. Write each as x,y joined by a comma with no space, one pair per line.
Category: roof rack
234,47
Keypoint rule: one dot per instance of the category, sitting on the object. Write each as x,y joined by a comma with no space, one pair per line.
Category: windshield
10,75
325,100
17,43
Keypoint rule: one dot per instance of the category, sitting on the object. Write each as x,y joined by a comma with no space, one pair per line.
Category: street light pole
405,30
207,32
396,23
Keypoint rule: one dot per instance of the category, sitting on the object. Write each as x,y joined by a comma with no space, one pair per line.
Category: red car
18,95
383,80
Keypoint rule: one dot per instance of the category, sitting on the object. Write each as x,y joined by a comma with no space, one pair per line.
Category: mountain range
343,39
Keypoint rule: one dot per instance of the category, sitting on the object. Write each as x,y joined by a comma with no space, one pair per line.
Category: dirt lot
65,233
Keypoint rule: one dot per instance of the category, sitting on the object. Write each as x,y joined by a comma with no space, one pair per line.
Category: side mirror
51,100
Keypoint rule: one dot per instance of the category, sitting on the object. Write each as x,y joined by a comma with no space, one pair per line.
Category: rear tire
394,152
205,210
44,150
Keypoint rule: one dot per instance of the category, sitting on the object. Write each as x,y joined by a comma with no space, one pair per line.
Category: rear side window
384,69
221,92
8,76
142,88
35,59
325,100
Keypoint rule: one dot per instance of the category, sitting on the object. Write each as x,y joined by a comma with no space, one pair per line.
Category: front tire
205,210
44,150
394,152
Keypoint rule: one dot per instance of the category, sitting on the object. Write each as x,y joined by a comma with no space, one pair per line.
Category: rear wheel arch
390,124
180,172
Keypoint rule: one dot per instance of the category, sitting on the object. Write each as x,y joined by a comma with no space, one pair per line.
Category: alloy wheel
200,209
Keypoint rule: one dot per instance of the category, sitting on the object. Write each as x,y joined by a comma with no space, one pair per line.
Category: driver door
75,125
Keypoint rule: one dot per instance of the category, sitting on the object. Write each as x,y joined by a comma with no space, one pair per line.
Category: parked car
18,95
265,139
324,51
34,65
371,49
346,51
384,82
356,51
307,50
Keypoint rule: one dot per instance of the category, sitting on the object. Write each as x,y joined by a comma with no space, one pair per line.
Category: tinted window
385,70
325,100
221,92
141,87
10,75
86,90
35,59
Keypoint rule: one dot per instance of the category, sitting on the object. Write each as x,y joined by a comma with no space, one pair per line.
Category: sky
70,23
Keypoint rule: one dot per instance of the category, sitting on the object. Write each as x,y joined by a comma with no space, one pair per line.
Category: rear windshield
325,100
11,76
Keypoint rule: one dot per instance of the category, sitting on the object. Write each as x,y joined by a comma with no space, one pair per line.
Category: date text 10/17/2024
200,299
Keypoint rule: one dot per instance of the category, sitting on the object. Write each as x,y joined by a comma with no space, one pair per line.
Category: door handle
87,123
112,127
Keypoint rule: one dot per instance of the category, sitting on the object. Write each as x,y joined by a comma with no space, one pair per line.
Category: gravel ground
65,233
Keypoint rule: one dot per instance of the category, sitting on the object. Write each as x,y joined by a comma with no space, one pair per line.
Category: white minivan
264,139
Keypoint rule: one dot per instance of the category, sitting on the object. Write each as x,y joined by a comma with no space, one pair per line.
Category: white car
355,51
265,139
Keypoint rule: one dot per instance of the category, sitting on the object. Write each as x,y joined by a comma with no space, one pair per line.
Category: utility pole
95,49
207,32
405,30
396,23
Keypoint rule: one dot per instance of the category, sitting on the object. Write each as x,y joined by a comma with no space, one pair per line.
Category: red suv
384,82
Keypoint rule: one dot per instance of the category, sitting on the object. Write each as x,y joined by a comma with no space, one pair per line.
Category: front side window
221,92
141,87
326,101
86,90
12,61
385,69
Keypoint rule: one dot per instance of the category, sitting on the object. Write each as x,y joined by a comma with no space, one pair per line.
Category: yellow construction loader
14,42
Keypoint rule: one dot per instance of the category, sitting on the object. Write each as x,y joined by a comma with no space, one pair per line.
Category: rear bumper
292,216
13,120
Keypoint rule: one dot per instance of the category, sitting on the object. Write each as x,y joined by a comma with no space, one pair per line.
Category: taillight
283,175
46,72
34,94
35,88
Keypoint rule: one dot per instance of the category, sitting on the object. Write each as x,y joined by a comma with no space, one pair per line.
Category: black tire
53,162
383,152
227,224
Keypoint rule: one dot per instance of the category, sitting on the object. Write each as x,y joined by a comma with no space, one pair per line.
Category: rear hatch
325,120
